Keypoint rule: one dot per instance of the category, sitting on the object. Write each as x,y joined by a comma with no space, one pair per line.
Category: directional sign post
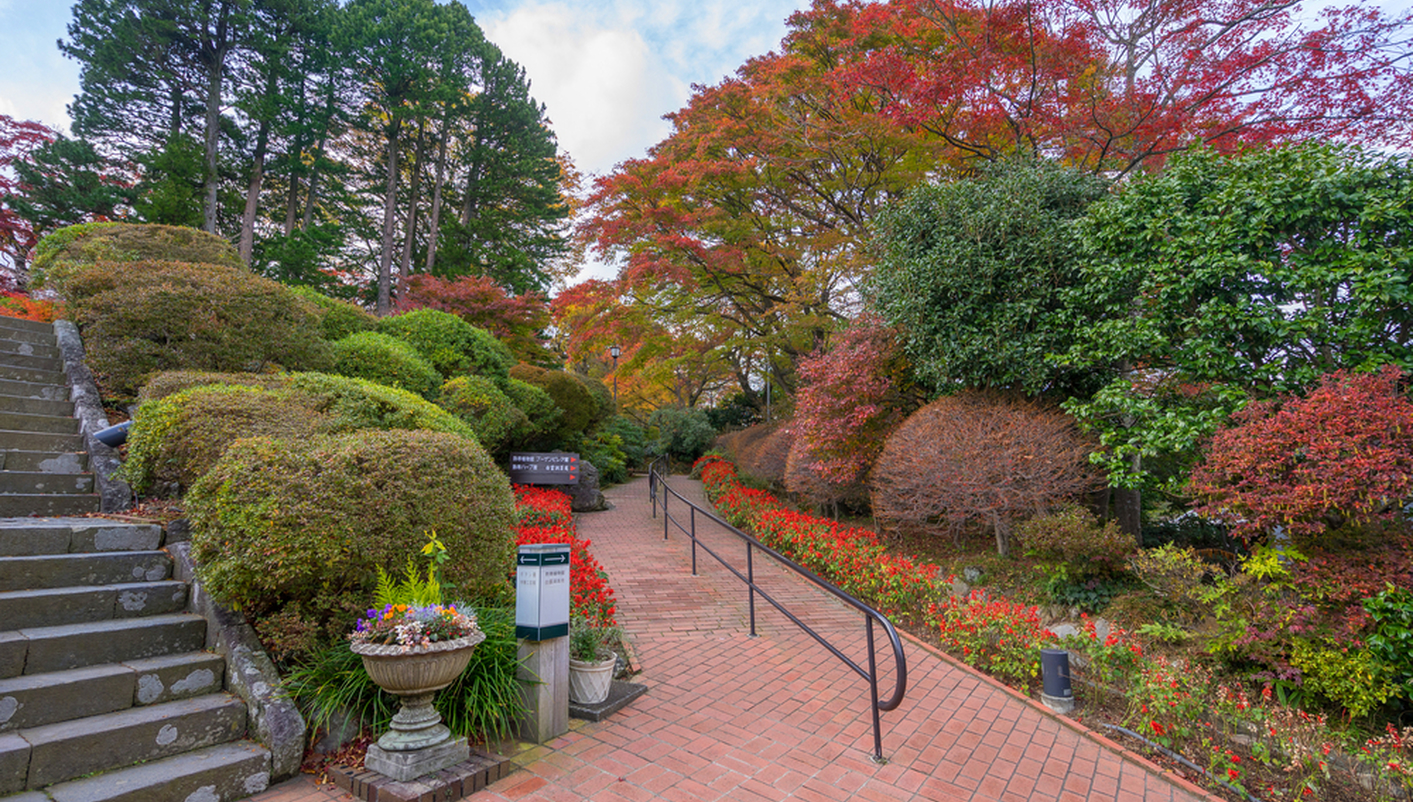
542,625
544,468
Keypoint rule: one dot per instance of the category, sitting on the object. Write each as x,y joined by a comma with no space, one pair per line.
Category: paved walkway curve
777,717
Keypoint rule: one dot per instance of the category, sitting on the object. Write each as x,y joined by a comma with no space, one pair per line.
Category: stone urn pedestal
418,742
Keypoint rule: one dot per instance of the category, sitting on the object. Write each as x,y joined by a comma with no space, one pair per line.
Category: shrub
161,385
996,636
976,456
605,451
683,434
1073,535
489,412
175,440
306,522
633,440
361,404
337,319
579,407
453,346
541,414
68,250
142,317
385,360
19,305
805,478
763,451
1344,453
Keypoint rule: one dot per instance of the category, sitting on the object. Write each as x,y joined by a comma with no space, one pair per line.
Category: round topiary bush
139,318
477,401
453,346
64,252
579,406
175,440
304,524
360,404
161,385
541,414
337,319
385,360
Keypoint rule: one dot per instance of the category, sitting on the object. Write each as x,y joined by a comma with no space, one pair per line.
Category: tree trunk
389,224
414,192
216,67
252,193
434,226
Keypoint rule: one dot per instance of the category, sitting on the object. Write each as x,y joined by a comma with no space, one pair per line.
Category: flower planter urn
415,675
589,683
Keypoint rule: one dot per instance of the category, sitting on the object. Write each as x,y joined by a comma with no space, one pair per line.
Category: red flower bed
545,517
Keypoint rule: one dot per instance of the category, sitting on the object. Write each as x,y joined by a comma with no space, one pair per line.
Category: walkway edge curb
1078,728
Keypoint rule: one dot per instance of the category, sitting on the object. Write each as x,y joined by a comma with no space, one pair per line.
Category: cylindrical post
694,540
873,694
665,516
751,583
1055,671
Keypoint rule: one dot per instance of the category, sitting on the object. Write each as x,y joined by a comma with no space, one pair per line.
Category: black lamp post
614,351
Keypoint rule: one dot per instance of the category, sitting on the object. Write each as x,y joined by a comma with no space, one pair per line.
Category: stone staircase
107,689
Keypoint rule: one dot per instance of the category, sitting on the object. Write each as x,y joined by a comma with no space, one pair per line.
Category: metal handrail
657,480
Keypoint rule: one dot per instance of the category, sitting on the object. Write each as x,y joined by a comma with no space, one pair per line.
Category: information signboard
542,591
544,468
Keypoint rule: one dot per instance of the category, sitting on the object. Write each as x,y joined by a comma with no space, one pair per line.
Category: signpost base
544,668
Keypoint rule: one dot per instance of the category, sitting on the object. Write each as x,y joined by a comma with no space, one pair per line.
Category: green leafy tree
66,182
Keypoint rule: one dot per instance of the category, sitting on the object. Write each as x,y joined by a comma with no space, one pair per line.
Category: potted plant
591,662
413,646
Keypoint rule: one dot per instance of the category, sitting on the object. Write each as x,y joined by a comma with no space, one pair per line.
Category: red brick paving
777,717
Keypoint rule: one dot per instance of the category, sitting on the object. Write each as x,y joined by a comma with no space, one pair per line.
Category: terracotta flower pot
589,683
416,675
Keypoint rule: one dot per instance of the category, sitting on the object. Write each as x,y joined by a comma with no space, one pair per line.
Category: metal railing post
873,692
694,541
665,516
751,583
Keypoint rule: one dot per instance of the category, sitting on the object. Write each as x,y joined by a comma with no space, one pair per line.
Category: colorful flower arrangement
546,517
410,626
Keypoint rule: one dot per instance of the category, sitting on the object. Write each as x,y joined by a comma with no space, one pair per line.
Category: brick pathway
777,717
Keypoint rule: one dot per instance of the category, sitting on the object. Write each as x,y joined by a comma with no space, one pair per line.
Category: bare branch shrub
980,456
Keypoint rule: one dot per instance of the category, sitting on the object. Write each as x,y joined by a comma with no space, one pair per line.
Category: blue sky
607,71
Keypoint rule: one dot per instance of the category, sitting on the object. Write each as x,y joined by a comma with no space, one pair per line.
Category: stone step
19,505
39,699
22,335
41,649
39,482
23,389
52,607
40,441
43,461
7,322
34,375
30,536
27,422
72,570
29,349
36,406
69,749
221,773
53,364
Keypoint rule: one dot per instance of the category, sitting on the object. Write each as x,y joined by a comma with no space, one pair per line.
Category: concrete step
29,349
27,422
73,570
36,406
40,441
221,773
30,536
70,749
38,482
7,322
53,364
19,505
43,461
23,335
41,649
48,392
52,607
39,699
34,375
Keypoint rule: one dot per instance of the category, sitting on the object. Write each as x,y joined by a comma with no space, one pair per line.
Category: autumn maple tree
1341,454
17,139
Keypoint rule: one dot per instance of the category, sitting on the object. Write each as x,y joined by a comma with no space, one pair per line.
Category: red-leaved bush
1342,454
545,517
516,320
850,397
977,456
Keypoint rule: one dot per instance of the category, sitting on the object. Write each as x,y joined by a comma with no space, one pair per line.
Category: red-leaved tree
17,139
517,320
1342,454
981,457
849,399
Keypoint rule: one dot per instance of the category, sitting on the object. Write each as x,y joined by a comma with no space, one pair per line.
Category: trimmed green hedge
477,401
302,525
385,360
580,407
453,346
66,251
139,318
337,319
